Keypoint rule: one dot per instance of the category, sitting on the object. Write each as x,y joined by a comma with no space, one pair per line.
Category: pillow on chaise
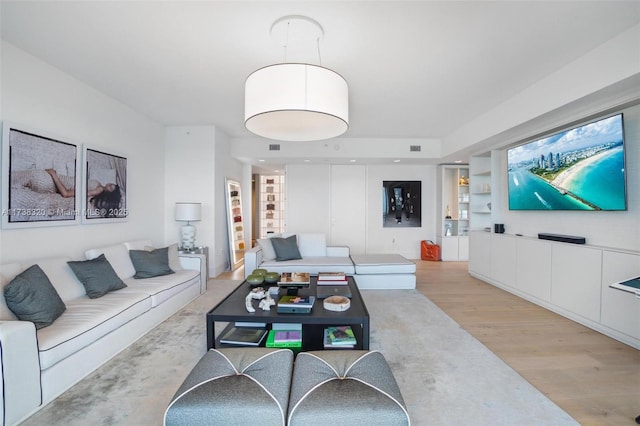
268,253
152,263
32,297
286,248
97,275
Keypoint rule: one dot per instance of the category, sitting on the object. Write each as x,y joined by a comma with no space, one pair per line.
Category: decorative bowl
259,272
255,279
271,277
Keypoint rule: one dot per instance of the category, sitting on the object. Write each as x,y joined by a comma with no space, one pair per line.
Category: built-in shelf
453,206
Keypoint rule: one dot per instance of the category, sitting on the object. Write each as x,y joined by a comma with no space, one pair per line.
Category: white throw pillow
312,245
268,253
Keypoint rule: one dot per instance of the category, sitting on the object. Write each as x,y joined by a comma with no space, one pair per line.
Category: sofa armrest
20,390
338,251
252,259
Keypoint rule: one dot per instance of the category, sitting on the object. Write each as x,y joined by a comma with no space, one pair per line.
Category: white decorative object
296,101
336,303
188,212
266,302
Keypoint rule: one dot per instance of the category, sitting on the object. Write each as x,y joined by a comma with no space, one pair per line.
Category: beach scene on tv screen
578,169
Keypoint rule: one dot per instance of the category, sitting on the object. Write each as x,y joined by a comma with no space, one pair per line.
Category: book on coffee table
301,279
295,304
332,278
245,336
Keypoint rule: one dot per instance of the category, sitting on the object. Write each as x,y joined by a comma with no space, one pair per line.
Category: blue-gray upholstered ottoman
345,387
234,386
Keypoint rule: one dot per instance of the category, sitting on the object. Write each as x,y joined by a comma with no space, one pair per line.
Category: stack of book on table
340,337
245,334
332,278
295,304
283,335
294,279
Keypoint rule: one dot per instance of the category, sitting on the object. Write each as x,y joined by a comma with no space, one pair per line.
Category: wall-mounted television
582,168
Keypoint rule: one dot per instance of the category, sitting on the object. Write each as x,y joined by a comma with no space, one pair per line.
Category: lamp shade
296,102
188,212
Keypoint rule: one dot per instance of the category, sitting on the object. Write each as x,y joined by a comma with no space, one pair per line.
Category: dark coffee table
232,309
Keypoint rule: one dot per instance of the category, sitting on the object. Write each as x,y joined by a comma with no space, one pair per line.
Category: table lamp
188,212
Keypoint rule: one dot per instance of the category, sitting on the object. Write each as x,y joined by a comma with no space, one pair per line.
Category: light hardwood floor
592,377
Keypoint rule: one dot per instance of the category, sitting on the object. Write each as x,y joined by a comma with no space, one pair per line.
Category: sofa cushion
32,297
86,321
97,276
313,265
164,287
150,264
118,257
286,248
62,277
312,244
383,264
268,253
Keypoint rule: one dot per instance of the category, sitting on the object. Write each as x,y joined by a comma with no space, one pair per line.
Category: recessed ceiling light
396,161
352,161
458,161
307,161
260,161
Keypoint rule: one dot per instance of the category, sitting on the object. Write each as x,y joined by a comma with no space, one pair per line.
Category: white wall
197,164
42,97
309,206
224,168
189,177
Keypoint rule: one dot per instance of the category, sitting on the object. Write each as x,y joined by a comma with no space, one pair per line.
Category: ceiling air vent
414,148
274,147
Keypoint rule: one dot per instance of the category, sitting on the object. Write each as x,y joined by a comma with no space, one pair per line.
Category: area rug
445,375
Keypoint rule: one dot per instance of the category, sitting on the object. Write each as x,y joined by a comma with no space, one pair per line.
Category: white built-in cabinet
570,279
453,212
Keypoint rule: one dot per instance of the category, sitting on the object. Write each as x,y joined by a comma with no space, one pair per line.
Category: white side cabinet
453,212
569,279
202,255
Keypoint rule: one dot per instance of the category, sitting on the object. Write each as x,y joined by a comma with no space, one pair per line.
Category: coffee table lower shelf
312,340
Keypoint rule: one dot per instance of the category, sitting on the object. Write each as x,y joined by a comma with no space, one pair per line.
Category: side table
201,253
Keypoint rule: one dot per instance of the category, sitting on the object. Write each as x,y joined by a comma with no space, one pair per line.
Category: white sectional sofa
39,364
370,271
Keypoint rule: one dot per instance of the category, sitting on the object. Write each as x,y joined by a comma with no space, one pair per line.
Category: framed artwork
39,179
105,187
401,204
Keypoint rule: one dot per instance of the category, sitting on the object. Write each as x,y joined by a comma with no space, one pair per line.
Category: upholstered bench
345,387
240,386
384,272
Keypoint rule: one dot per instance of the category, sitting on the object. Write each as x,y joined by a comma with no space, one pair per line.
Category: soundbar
562,238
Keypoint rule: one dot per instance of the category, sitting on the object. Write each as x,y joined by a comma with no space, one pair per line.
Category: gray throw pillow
286,248
32,297
97,276
152,263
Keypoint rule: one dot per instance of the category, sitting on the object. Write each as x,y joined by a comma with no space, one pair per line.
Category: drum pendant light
296,101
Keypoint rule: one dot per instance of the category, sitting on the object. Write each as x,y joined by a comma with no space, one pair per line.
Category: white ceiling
416,69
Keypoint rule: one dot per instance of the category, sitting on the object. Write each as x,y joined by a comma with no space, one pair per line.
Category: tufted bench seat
249,386
345,387
384,271
240,386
